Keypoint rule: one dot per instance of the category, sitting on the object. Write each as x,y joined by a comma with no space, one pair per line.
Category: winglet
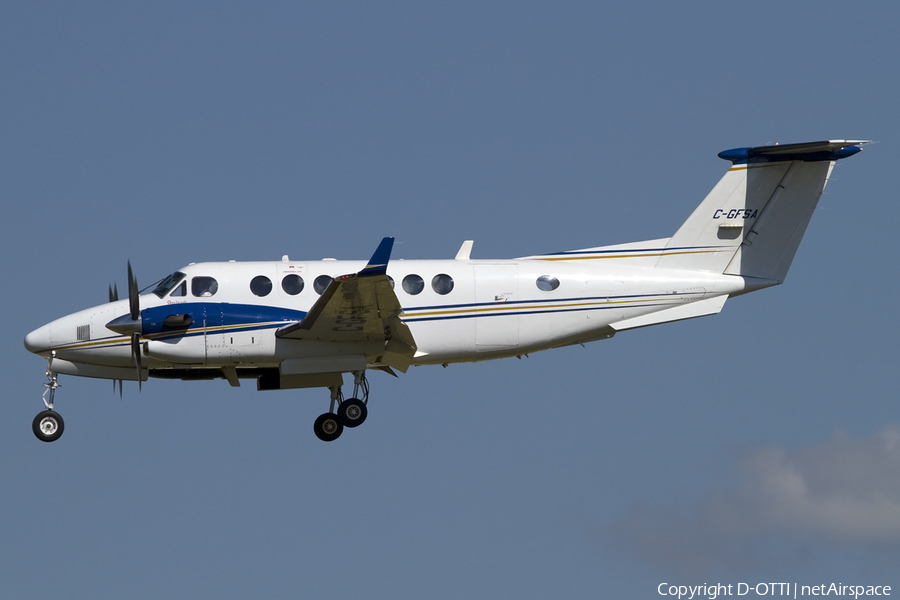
377,265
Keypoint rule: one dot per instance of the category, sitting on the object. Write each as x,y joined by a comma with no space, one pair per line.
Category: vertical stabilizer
770,241
752,222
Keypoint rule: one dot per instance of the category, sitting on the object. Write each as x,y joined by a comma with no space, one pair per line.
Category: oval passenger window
547,283
413,284
442,284
292,284
261,285
321,283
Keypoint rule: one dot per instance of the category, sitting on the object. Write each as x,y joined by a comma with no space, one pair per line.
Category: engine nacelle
186,350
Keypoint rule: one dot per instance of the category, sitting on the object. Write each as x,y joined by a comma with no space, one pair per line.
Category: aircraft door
495,289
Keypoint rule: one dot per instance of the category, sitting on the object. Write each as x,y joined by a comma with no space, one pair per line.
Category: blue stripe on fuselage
215,314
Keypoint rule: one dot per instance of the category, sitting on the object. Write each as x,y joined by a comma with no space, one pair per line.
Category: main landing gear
351,412
48,425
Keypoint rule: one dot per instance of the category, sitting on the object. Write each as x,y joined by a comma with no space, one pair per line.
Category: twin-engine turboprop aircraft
295,324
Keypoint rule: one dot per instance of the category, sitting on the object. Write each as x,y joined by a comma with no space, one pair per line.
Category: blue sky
762,444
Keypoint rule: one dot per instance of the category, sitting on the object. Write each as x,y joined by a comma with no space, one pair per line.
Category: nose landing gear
350,413
48,425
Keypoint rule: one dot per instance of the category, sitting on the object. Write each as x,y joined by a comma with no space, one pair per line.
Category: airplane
295,324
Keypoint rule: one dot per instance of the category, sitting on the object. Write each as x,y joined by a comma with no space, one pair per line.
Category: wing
360,308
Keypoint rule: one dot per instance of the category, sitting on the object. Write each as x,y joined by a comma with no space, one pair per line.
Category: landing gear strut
48,425
350,413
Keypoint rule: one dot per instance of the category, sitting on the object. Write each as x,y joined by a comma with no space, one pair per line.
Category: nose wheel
48,425
351,412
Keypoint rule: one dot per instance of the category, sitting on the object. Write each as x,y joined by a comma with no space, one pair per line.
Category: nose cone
38,340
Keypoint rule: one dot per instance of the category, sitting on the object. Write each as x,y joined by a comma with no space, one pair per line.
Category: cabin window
204,287
164,286
391,281
181,290
292,284
547,283
413,284
321,283
261,285
442,284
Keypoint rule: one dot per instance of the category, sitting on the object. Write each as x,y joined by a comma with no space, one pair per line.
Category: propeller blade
136,353
133,301
120,389
113,293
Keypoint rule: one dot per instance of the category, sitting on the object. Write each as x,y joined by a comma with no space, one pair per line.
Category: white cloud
843,489
842,492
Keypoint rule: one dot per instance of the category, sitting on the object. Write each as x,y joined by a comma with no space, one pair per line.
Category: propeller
133,300
136,353
129,324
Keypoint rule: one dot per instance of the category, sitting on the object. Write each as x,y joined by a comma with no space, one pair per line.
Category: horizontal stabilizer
701,308
807,151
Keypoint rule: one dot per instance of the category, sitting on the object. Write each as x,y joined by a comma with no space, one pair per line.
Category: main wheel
328,427
353,412
48,426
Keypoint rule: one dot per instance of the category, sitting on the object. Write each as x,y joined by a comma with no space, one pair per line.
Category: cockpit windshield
168,283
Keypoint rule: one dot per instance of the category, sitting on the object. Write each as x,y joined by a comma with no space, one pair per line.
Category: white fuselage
495,309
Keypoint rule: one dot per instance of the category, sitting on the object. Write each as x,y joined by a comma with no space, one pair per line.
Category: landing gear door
495,295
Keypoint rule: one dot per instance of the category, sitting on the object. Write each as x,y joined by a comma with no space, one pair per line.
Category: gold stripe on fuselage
626,255
125,339
409,313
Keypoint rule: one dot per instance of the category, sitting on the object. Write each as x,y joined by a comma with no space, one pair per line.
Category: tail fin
752,221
